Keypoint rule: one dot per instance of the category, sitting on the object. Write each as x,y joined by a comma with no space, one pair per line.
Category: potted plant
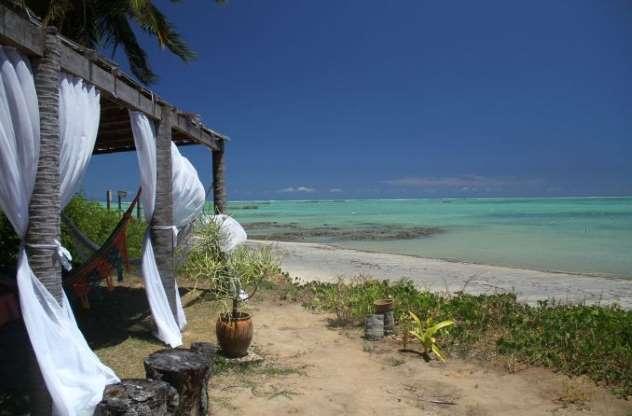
234,328
233,275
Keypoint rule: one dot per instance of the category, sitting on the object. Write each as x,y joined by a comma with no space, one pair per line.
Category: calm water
586,235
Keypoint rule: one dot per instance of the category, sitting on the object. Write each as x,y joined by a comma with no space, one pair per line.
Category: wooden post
162,237
138,397
44,209
121,195
219,189
188,372
108,199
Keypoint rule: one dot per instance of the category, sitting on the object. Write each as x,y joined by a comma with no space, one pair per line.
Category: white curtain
79,112
74,376
231,231
188,197
19,137
187,190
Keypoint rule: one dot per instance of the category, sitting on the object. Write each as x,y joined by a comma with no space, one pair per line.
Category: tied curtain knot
61,253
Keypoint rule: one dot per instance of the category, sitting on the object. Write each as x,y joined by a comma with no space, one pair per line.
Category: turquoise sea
583,235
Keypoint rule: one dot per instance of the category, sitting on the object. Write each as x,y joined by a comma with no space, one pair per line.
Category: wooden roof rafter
118,90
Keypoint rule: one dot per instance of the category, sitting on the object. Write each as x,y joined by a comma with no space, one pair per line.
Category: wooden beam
114,85
17,31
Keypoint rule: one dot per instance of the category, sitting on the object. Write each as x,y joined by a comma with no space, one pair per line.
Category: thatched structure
50,53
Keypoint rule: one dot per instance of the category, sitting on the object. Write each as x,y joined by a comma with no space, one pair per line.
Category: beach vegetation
426,333
576,339
235,276
97,223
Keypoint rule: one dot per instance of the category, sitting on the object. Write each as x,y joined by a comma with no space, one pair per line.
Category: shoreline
322,262
453,260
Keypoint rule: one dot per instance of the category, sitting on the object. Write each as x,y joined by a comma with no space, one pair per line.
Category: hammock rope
111,256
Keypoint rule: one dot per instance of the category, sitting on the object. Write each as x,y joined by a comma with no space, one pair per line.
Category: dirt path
313,369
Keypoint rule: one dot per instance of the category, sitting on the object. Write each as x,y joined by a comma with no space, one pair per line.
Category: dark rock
138,397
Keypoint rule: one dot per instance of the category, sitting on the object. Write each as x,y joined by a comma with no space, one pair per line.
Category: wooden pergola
50,54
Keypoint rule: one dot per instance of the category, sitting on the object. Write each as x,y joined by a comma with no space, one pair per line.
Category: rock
138,397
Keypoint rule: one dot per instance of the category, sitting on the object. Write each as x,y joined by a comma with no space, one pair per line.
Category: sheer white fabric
74,376
188,202
144,131
19,137
79,113
187,190
233,234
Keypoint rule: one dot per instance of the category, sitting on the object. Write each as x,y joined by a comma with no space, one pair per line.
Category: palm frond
153,21
121,33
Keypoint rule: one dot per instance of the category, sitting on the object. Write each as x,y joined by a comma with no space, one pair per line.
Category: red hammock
111,256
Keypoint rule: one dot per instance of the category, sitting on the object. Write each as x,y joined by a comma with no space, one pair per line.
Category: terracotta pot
234,334
383,305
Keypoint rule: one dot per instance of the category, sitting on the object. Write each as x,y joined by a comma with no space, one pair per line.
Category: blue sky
406,98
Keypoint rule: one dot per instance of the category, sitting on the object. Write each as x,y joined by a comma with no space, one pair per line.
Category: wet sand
311,261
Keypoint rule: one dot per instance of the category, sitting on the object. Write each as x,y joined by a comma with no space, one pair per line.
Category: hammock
112,255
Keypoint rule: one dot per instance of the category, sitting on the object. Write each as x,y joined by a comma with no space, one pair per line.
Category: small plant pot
374,327
234,334
383,305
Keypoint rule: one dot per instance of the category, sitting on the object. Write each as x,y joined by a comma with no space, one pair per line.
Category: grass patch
221,366
595,341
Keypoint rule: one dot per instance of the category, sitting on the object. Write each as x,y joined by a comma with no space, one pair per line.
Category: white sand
308,261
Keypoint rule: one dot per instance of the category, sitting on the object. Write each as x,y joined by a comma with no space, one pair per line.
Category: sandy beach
310,261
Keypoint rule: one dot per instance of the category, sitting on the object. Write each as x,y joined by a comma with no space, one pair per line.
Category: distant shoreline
322,262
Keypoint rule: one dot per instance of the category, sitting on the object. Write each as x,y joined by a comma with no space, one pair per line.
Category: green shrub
225,275
97,223
94,220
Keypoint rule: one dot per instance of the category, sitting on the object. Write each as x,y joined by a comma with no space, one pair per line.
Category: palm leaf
154,22
415,319
436,351
122,34
433,330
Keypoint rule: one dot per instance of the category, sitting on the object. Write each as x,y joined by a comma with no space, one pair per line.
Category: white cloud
466,183
335,190
291,189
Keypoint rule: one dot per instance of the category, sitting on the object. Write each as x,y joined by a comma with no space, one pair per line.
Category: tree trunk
188,372
44,210
138,397
163,238
219,190
208,351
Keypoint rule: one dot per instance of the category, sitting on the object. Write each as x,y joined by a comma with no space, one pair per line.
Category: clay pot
234,334
383,305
